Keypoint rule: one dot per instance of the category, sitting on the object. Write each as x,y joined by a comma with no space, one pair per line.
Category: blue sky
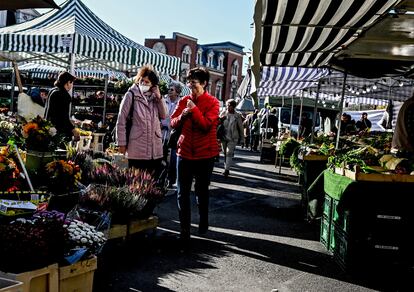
209,21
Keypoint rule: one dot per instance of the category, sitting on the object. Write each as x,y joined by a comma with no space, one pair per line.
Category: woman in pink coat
143,144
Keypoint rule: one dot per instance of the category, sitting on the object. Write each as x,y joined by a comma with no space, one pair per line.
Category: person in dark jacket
197,147
403,138
58,106
363,124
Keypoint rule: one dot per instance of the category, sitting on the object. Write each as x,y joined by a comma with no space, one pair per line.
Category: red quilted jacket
198,138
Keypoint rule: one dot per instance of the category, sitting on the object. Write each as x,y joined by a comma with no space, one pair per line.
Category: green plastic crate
341,219
325,229
327,207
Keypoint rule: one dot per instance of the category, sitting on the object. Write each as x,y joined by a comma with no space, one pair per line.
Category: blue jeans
200,171
172,168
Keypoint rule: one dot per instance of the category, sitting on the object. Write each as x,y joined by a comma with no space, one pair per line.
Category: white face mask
144,88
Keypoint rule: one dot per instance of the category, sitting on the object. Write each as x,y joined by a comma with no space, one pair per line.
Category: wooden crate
135,226
315,157
7,285
118,231
377,177
78,277
141,225
40,280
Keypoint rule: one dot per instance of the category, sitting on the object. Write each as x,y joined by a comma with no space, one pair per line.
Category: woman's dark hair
148,71
231,102
64,78
199,73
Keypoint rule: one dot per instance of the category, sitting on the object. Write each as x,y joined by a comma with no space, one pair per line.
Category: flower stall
59,207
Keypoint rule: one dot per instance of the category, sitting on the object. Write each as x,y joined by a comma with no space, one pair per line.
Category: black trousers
200,171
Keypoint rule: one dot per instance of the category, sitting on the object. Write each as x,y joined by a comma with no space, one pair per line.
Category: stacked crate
372,230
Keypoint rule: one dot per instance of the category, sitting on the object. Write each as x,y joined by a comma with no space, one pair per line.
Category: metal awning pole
315,111
106,92
341,108
300,111
291,117
13,84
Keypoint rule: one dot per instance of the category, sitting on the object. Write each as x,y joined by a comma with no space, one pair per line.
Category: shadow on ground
253,214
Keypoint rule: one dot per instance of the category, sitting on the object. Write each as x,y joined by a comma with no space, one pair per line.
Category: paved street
257,241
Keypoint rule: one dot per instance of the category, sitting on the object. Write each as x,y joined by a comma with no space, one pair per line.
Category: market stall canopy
386,49
288,81
291,81
47,71
245,105
74,30
308,33
23,4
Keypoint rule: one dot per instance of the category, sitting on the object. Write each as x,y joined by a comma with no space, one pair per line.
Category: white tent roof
75,29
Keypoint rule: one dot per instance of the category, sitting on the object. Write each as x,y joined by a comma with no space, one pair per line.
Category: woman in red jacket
196,149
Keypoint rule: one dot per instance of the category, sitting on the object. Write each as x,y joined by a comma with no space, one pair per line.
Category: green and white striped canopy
74,29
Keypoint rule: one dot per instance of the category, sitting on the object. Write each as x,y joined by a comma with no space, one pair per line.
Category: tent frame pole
300,113
106,92
341,109
315,111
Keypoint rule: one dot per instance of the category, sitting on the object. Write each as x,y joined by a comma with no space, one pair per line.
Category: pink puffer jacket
145,141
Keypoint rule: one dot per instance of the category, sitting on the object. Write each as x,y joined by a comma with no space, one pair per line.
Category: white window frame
186,54
199,60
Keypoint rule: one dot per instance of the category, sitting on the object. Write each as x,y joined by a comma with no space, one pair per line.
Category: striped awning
74,29
288,81
348,98
307,33
46,71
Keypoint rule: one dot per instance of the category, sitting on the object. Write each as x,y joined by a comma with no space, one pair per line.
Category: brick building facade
223,60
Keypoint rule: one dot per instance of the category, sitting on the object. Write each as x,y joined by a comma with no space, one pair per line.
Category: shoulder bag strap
131,109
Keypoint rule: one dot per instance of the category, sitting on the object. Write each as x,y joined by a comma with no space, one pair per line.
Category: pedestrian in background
57,109
143,143
233,125
403,138
198,114
363,124
171,100
253,122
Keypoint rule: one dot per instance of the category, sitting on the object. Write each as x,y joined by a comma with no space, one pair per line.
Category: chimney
162,37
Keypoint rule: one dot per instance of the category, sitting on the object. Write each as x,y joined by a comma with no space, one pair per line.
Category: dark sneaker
226,173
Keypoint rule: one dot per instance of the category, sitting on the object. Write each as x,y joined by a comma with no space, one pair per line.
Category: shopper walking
174,91
144,106
198,116
57,109
233,125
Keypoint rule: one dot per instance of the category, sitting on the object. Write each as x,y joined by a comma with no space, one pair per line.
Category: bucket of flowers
10,179
127,193
64,183
40,139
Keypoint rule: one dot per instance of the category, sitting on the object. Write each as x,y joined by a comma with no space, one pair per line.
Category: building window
159,47
210,57
186,54
233,89
235,68
199,59
219,89
220,62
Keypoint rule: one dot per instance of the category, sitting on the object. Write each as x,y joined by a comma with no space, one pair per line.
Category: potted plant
41,140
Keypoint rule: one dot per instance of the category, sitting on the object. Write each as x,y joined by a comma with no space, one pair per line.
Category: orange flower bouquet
64,176
40,135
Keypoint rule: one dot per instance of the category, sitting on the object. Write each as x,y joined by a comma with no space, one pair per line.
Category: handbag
221,130
174,136
128,124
